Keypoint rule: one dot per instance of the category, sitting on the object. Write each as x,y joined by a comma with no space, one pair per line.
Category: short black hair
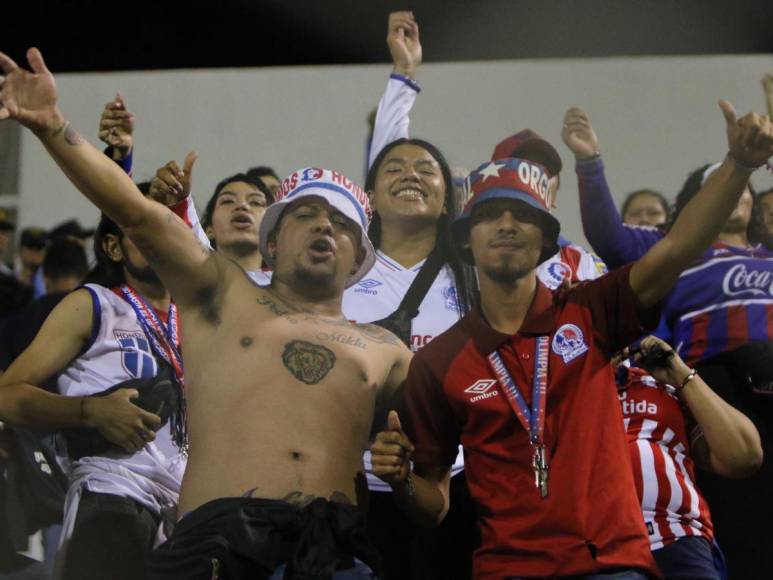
65,257
206,219
262,171
664,204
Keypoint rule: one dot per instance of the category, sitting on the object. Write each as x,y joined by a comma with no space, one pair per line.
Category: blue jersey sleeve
616,243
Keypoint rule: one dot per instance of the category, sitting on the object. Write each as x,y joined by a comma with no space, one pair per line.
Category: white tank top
119,351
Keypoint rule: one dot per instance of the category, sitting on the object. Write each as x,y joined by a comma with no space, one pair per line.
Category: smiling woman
418,288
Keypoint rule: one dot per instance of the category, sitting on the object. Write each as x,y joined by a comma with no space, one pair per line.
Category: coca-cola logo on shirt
739,280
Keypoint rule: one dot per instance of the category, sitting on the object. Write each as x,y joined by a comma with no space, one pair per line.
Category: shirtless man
281,389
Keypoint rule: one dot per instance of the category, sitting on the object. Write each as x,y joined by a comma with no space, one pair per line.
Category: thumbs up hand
172,184
750,138
391,452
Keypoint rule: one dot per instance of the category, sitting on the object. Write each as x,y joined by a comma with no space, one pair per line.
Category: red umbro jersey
659,443
590,521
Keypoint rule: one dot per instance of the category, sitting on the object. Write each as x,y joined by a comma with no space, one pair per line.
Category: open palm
29,97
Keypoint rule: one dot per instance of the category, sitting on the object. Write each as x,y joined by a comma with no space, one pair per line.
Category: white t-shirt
379,294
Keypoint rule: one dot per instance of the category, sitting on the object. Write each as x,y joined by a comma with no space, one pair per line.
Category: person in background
13,294
64,268
674,421
32,250
232,216
7,228
645,207
267,176
765,201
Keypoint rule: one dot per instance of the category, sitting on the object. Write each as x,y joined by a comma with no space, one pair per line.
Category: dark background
91,35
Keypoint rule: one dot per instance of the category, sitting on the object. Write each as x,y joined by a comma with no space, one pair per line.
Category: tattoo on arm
378,335
308,362
72,137
60,128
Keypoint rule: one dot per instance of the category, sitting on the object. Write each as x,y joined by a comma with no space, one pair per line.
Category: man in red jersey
524,381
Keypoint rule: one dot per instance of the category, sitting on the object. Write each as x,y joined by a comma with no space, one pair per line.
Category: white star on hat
491,170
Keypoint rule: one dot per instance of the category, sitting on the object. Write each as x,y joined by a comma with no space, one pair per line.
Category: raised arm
392,119
616,243
730,445
116,130
767,89
168,244
750,144
62,337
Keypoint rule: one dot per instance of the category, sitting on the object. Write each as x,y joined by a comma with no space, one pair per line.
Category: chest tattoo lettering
344,339
308,362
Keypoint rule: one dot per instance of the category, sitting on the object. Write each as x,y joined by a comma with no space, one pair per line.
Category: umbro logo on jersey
367,286
482,390
480,386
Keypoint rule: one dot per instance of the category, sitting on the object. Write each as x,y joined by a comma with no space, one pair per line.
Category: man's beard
307,276
507,274
147,274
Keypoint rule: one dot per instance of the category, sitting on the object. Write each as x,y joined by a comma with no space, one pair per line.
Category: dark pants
687,559
112,538
235,538
409,552
742,509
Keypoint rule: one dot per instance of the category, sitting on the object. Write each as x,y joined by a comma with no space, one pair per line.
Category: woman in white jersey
409,185
125,466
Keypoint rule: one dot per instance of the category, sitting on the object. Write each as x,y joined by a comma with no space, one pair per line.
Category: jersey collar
540,320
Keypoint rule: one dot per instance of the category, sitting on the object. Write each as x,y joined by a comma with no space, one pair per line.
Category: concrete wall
657,119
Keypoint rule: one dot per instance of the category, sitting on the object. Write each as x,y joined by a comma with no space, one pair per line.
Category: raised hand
121,421
172,184
391,452
116,126
767,87
29,97
749,139
578,134
403,42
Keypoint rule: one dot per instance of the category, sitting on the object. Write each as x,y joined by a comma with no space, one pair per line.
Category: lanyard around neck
532,419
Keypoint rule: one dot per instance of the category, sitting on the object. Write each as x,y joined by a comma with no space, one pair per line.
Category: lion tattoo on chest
308,362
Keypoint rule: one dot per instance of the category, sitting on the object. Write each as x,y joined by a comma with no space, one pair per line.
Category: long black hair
464,276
